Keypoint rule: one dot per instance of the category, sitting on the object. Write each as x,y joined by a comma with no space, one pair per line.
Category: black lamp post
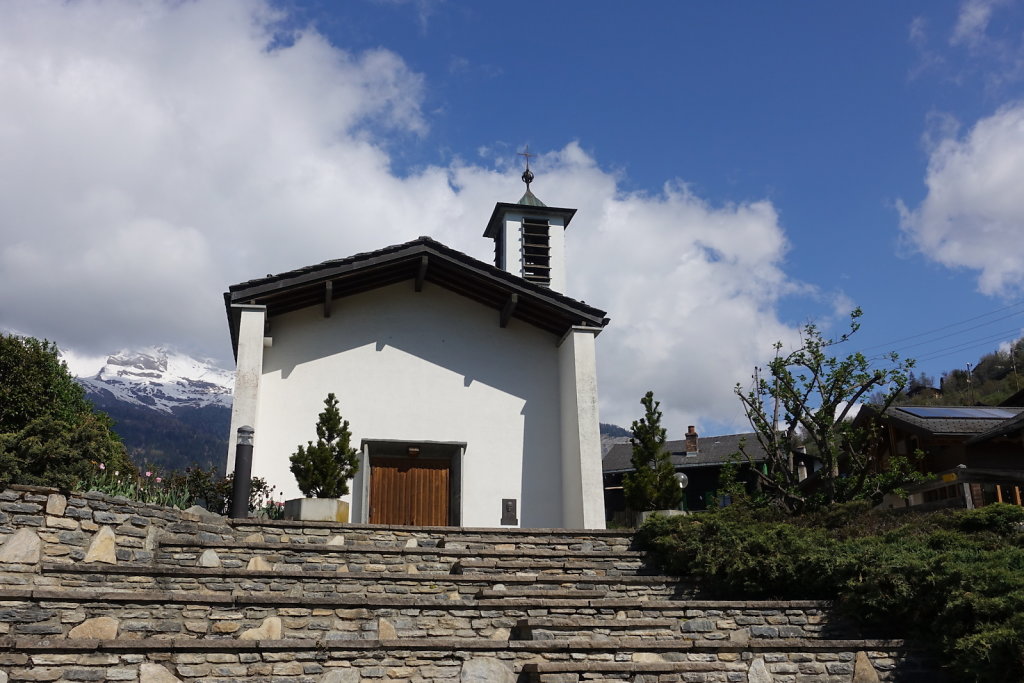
243,472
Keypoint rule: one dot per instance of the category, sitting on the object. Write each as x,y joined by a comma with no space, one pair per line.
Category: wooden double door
414,491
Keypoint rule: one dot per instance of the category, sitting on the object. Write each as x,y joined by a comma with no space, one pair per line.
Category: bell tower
529,237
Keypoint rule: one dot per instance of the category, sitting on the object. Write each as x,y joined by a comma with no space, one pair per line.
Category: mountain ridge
162,379
172,411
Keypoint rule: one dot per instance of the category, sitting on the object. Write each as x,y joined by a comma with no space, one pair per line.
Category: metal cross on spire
527,174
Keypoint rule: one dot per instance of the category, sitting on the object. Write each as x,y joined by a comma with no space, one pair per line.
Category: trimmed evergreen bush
950,582
324,468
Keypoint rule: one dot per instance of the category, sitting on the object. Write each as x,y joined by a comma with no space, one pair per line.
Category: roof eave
558,312
501,208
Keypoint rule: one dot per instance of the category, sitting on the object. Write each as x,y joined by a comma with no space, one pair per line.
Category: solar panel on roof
959,412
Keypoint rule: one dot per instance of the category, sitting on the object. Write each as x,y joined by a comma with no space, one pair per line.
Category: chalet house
471,388
976,452
700,458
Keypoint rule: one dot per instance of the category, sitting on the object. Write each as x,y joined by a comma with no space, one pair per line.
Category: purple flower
149,474
103,466
158,480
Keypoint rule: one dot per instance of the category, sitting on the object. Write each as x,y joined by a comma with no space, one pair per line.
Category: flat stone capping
521,593
490,531
240,598
401,550
590,622
245,598
29,644
630,667
35,489
107,570
690,603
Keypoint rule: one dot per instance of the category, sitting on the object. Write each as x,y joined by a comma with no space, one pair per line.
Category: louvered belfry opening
536,251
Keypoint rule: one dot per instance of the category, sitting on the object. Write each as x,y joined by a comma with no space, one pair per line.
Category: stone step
839,662
333,553
434,659
596,566
143,614
324,583
552,539
444,536
100,588
533,592
555,628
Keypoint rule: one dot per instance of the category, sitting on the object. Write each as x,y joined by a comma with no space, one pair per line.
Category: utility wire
960,346
941,353
1019,304
1015,332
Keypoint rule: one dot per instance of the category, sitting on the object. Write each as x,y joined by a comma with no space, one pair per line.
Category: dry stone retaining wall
94,588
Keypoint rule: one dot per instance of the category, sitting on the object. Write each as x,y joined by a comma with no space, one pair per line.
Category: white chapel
470,388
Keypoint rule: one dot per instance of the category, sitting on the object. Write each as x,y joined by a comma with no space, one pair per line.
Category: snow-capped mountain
161,379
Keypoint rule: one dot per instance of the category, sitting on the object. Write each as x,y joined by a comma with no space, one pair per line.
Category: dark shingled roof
712,451
421,260
1005,428
946,426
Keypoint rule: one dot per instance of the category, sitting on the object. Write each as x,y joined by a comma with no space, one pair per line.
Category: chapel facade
470,387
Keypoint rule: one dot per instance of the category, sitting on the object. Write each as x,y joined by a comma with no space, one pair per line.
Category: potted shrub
652,486
323,469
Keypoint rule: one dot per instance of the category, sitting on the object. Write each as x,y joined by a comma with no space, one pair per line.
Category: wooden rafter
509,309
421,273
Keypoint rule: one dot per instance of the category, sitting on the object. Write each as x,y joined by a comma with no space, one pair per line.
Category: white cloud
972,22
156,153
973,214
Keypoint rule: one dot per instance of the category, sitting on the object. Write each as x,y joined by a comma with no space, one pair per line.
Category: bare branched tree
800,410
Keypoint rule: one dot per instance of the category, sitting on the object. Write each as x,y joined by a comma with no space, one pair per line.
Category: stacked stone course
95,588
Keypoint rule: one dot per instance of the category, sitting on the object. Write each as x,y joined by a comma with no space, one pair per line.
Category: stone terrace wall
96,588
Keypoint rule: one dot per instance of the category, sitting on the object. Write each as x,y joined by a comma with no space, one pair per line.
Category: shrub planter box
316,509
642,517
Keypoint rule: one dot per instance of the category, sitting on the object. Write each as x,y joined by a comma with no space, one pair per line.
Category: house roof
1014,425
421,260
525,205
712,451
948,420
530,199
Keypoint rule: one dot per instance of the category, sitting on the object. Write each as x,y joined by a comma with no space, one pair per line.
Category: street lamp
682,480
243,472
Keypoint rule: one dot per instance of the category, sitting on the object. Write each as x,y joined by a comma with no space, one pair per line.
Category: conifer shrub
323,469
951,583
651,485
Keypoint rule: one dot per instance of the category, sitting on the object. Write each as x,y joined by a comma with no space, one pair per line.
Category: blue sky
740,168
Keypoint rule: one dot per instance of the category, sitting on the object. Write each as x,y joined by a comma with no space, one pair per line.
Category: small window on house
536,251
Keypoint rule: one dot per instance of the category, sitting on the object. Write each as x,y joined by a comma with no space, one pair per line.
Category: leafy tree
34,381
803,405
324,468
50,434
652,484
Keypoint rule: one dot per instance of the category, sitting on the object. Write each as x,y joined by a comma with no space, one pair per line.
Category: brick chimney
691,440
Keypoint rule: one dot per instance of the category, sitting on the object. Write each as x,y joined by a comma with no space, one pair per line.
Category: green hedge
951,582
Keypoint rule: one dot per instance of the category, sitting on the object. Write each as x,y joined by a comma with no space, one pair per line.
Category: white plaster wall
428,366
582,483
248,372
